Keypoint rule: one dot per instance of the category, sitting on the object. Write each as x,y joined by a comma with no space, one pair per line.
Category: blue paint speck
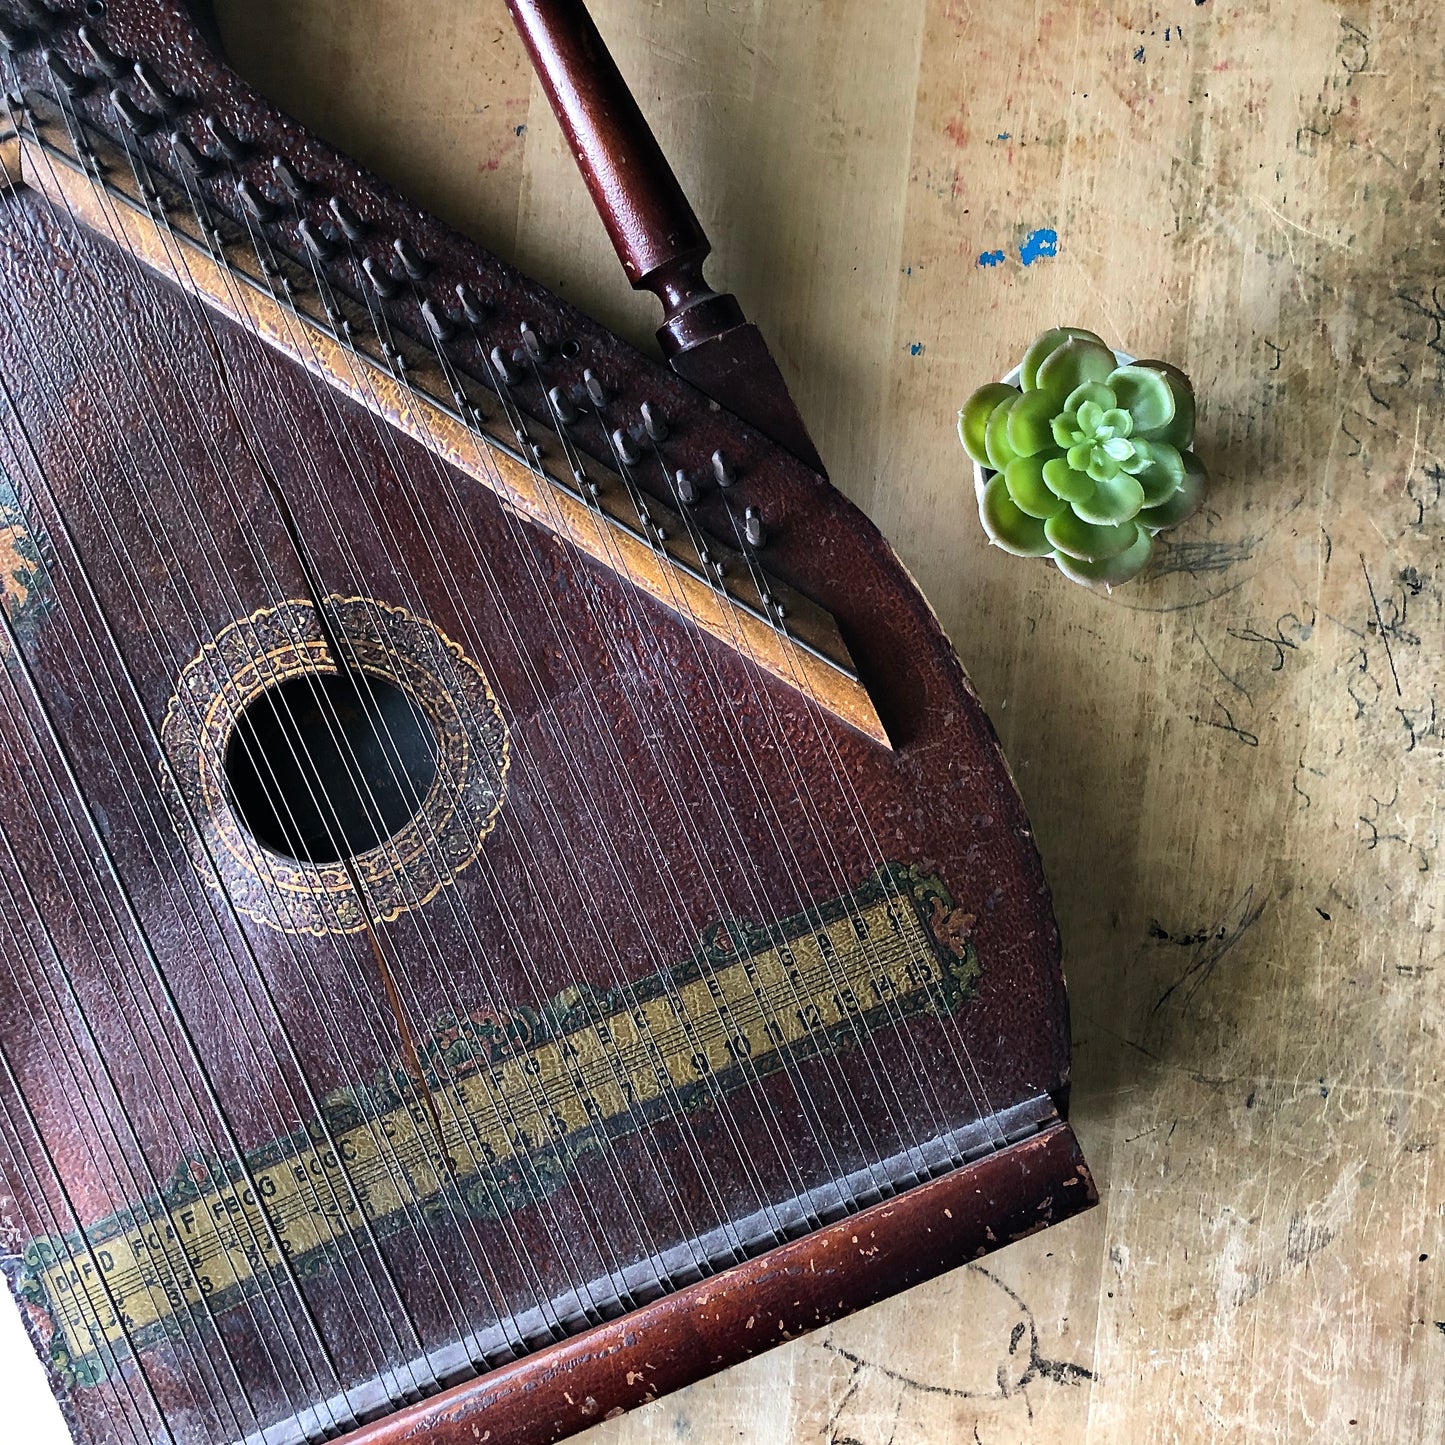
1043,242
519,130
916,349
991,258
1139,53
1003,135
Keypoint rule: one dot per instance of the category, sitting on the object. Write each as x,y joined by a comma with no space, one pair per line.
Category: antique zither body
508,902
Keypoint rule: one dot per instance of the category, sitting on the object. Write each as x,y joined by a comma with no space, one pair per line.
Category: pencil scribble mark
1233,681
1290,631
1380,622
1199,558
1214,945
1249,739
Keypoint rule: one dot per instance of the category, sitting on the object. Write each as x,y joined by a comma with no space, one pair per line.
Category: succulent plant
1086,460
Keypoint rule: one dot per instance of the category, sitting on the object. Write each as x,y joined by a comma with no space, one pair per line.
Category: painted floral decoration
1086,460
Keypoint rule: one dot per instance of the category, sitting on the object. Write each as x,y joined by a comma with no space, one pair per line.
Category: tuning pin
753,528
502,364
652,422
231,146
722,470
473,309
596,392
436,322
71,81
626,451
320,246
110,64
688,491
412,261
382,282
291,183
352,226
533,344
16,38
166,103
257,204
142,122
193,160
562,407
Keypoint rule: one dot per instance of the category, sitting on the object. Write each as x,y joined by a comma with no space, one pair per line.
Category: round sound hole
325,766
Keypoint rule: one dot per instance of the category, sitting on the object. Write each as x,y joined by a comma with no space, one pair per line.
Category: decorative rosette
1086,460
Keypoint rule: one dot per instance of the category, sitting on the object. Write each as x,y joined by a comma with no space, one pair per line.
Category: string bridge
474,423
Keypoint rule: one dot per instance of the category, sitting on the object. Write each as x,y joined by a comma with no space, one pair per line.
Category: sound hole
325,766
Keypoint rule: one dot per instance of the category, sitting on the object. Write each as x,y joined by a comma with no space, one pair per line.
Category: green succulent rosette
1085,460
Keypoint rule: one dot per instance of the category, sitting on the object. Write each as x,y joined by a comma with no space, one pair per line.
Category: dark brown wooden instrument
507,900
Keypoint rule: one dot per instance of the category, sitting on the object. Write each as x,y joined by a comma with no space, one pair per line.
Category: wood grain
1233,765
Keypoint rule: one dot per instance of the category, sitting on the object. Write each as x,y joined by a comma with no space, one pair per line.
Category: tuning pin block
753,528
653,423
688,491
15,38
723,470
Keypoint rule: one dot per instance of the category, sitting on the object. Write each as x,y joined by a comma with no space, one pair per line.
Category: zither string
145,794
383,1146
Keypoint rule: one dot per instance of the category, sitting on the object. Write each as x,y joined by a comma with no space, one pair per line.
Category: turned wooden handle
656,235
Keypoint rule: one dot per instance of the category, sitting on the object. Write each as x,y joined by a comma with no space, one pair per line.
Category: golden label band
519,1099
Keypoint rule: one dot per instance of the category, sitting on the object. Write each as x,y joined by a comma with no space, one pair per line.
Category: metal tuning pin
502,365
412,261
164,100
441,329
352,226
626,449
753,528
653,423
472,308
109,63
191,159
291,183
71,81
17,38
382,281
596,392
688,491
141,122
227,142
723,470
562,407
320,245
260,208
533,344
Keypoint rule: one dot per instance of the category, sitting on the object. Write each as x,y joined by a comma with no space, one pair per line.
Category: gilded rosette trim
406,870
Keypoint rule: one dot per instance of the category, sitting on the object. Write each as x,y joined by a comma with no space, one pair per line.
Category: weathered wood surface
1233,765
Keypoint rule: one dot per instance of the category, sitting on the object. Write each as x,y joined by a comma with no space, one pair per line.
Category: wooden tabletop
1233,765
